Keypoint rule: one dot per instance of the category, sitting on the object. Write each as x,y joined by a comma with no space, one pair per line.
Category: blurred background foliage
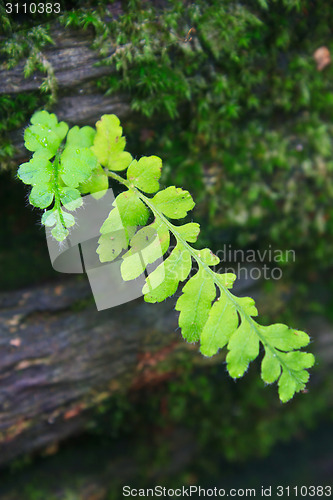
229,95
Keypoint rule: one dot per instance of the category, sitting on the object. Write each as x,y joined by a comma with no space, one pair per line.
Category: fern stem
57,200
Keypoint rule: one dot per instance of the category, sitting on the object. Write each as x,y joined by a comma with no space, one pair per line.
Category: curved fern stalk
209,312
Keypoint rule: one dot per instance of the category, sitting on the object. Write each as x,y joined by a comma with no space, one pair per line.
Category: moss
14,112
240,113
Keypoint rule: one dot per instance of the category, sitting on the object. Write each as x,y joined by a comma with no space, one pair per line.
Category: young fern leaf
59,173
209,312
109,144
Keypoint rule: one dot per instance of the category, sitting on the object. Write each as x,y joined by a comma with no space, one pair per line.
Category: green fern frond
60,173
209,312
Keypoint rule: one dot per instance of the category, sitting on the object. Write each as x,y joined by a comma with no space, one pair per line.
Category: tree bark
72,59
75,65
61,358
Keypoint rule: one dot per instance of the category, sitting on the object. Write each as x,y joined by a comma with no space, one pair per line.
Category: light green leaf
163,234
207,256
296,360
163,281
284,338
37,171
194,305
270,367
189,232
292,363
110,245
97,184
68,219
49,218
115,237
45,133
61,220
173,202
145,173
291,382
76,165
120,225
41,195
113,222
226,279
51,121
70,198
248,305
80,137
145,249
109,144
133,211
221,324
39,137
59,232
243,347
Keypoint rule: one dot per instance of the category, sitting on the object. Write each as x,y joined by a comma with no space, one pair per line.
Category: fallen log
72,58
60,359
